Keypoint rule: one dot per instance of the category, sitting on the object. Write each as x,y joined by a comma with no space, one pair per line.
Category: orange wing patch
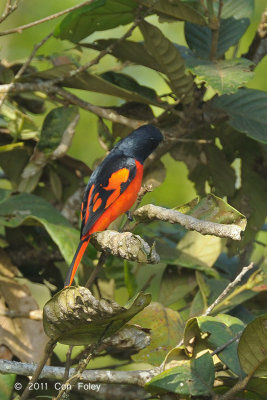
114,182
117,178
97,204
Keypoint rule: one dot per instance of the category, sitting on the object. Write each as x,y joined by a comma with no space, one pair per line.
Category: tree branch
50,88
228,289
94,376
21,28
152,213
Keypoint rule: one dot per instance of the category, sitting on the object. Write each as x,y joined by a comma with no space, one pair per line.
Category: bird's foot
129,216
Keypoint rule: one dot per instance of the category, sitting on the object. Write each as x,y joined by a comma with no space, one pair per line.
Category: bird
113,187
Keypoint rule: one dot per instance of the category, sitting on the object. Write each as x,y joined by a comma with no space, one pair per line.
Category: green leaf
54,126
97,16
127,50
166,331
175,285
127,82
199,37
252,347
203,249
214,332
247,112
169,60
224,76
27,208
250,197
13,163
75,317
194,378
237,9
212,208
209,164
178,10
6,385
95,83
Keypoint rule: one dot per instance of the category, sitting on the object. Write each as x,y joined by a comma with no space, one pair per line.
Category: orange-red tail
76,261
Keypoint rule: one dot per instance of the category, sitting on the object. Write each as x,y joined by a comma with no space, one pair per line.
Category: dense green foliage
214,127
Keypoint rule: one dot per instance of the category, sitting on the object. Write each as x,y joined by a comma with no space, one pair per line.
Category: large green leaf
122,86
97,16
178,10
169,60
224,76
29,209
54,126
194,378
127,50
247,112
199,37
175,285
215,332
166,331
209,164
252,348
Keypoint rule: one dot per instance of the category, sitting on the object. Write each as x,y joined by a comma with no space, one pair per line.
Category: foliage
212,124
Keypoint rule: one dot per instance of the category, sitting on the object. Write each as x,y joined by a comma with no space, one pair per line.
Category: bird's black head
141,142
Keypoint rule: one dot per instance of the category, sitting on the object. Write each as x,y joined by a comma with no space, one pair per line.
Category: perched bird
114,186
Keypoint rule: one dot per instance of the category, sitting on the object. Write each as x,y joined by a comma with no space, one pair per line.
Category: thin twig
21,28
49,88
68,364
223,346
224,294
96,271
48,351
240,385
25,65
9,9
228,289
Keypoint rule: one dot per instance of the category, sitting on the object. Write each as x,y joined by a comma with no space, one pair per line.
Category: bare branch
106,113
94,376
21,28
152,213
228,289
